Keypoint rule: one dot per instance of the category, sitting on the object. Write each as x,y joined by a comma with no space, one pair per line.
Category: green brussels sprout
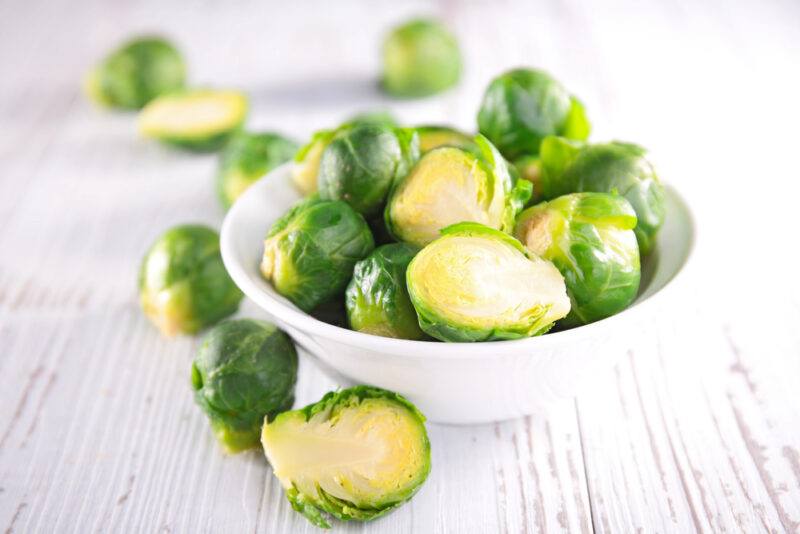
360,165
621,168
135,73
450,185
246,158
307,159
199,120
589,237
476,283
357,454
522,106
245,370
377,299
420,58
431,137
183,285
310,252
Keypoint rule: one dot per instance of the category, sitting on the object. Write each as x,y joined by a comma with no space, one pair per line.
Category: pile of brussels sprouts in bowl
431,233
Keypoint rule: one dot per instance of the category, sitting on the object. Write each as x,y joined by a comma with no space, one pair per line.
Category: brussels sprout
246,158
589,238
310,252
357,454
135,73
200,120
183,285
450,185
306,160
522,106
420,58
476,283
431,137
361,163
377,299
614,167
245,370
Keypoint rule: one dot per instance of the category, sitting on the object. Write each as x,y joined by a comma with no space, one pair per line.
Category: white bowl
456,383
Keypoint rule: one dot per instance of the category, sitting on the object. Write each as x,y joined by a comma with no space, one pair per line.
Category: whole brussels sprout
450,185
307,159
420,58
246,158
431,137
615,167
135,73
377,299
244,371
360,165
589,238
183,285
476,283
310,252
357,454
522,106
199,120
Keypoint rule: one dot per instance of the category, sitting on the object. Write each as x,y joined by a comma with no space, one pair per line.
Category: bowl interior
251,217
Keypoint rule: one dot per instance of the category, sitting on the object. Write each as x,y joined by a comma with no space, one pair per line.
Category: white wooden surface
696,429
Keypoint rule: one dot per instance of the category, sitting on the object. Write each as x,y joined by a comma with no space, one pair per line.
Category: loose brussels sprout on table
244,371
420,58
476,283
621,168
135,73
377,299
522,106
246,158
360,165
450,185
431,137
357,454
200,120
589,238
307,159
310,252
183,285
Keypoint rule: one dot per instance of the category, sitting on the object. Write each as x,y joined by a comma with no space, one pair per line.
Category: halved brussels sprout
135,73
589,238
246,158
183,285
616,167
377,299
200,120
431,137
310,252
245,370
306,160
522,106
476,283
357,454
450,185
420,58
361,163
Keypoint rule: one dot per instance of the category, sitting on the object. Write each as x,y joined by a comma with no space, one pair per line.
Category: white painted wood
695,430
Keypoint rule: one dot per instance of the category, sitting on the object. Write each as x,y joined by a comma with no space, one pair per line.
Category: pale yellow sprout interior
304,173
365,454
475,281
193,115
447,186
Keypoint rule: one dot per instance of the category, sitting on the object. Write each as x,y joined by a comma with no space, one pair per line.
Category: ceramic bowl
459,383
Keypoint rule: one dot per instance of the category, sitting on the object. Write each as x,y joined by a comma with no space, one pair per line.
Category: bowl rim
283,311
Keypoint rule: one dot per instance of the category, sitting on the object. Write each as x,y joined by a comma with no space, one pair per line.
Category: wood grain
696,429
